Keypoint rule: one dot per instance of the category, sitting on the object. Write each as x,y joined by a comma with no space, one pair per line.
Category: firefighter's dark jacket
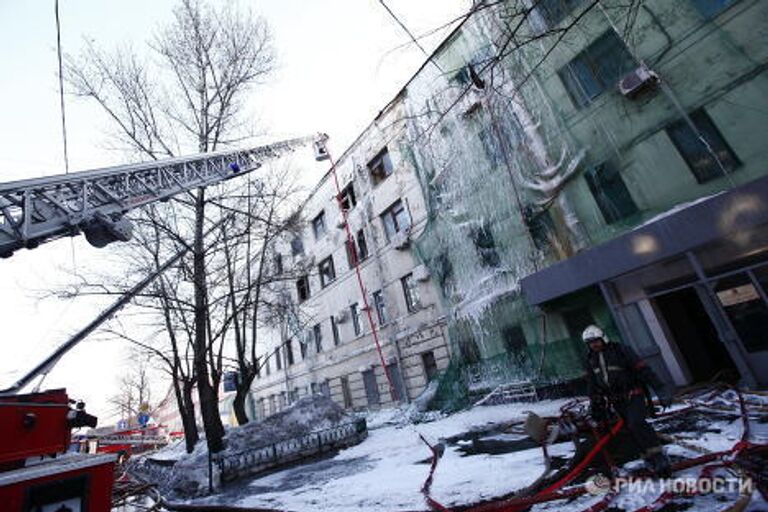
620,374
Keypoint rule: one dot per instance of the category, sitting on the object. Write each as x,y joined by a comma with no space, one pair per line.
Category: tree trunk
187,411
209,403
238,406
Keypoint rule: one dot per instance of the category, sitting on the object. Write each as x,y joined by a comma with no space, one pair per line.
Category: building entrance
696,336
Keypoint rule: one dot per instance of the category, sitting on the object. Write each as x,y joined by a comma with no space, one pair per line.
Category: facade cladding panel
615,141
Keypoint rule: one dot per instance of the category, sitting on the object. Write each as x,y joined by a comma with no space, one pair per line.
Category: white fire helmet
593,332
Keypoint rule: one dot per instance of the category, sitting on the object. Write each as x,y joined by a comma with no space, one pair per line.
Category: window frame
380,166
319,227
357,325
411,292
347,195
335,331
706,126
317,335
597,178
328,275
390,216
592,60
380,304
302,283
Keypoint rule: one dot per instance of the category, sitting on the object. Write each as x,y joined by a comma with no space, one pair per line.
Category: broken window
302,288
335,331
430,365
355,314
711,8
318,225
381,307
411,293
395,219
540,226
380,166
347,198
371,387
327,271
700,154
553,11
352,260
514,341
485,246
317,333
596,69
362,246
610,192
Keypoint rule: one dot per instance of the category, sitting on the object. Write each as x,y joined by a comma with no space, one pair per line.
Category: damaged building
556,166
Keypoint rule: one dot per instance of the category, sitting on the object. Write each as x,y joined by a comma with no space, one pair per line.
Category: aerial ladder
35,428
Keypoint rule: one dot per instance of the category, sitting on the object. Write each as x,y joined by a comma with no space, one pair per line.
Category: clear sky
336,71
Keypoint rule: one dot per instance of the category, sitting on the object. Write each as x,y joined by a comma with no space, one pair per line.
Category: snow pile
182,475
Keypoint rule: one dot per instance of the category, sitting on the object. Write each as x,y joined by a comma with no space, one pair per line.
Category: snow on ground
387,470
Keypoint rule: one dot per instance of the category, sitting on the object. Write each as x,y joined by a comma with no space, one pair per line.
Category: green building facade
544,138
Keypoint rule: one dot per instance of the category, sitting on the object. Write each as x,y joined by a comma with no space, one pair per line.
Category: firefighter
618,385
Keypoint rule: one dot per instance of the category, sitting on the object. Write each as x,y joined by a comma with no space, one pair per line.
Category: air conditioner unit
637,81
421,273
402,240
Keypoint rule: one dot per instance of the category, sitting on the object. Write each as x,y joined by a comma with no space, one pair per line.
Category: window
430,365
355,314
278,360
381,307
700,159
540,226
302,288
289,352
345,392
297,246
711,8
395,219
380,166
553,11
325,388
347,198
317,333
356,251
485,246
327,271
411,293
266,365
610,192
335,331
293,396
371,387
397,382
362,246
513,338
318,225
597,68
351,253
278,263
303,345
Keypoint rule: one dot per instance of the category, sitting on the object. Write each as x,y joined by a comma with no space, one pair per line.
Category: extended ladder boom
36,210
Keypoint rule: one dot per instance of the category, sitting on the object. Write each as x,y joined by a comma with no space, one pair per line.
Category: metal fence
252,461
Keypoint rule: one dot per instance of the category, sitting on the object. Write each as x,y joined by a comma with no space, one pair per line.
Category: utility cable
410,34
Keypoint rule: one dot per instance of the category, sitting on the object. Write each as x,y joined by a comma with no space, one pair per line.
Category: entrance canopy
727,215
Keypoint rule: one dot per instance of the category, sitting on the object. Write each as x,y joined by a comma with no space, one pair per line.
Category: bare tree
135,392
190,97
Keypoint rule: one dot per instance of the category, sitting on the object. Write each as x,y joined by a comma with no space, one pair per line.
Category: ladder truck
35,427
